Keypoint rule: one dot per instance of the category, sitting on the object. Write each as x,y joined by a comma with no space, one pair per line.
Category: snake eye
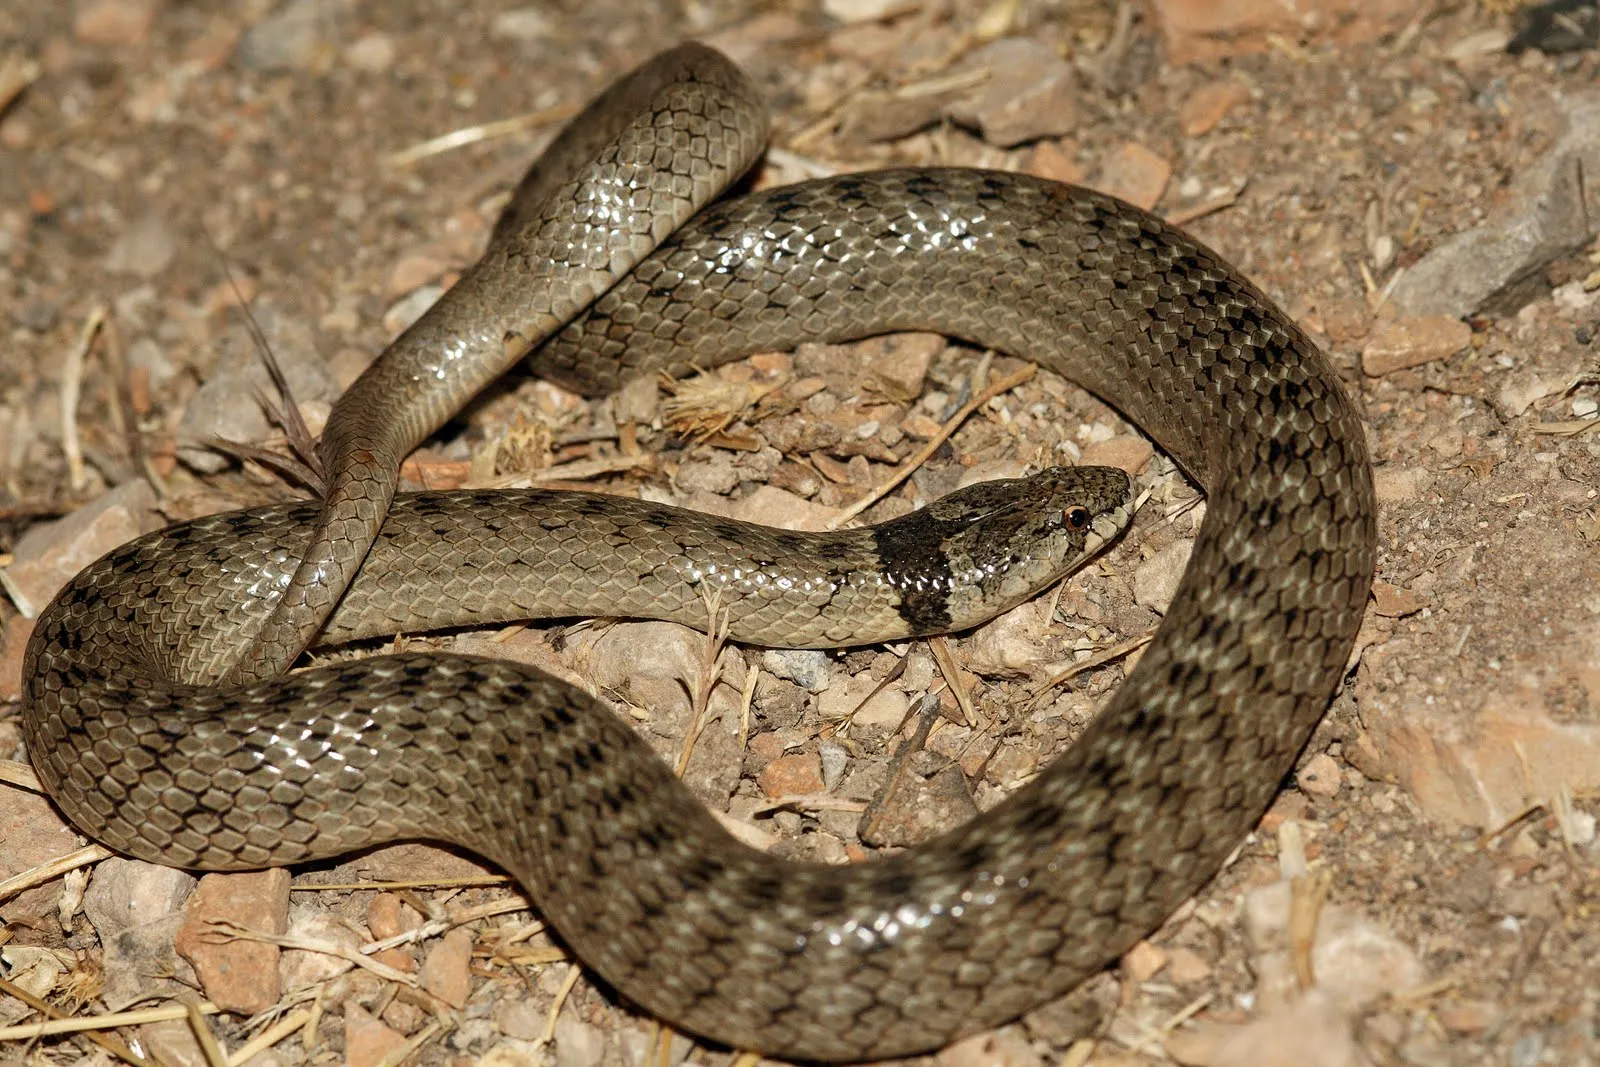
1078,517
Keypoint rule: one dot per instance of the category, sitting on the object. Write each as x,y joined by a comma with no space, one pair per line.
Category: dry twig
923,454
487,131
71,388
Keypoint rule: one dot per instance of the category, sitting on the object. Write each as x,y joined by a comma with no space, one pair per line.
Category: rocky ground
1419,195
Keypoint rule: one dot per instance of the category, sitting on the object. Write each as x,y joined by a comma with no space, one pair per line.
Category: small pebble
1319,777
1393,602
1186,967
1134,173
804,667
1157,577
366,1040
1143,961
1469,1017
797,774
1580,828
578,1043
1209,105
446,971
834,760
859,10
409,308
114,22
372,52
1403,343
296,36
1054,159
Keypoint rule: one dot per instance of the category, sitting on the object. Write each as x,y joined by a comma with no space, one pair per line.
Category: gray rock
930,798
1157,577
299,35
519,1018
229,405
578,1044
1016,645
834,759
780,702
1498,267
372,53
128,893
135,960
409,308
711,472
172,1042
38,314
148,355
1028,93
805,667
49,554
303,968
144,249
522,24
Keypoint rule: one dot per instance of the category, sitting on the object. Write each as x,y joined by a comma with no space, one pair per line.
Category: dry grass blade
413,1043
209,1048
581,470
87,1024
1568,428
71,388
1308,893
1184,216
952,676
807,802
269,1037
892,676
535,957
1095,662
926,712
287,466
220,931
922,454
455,917
469,881
20,774
574,972
1172,1022
24,605
747,696
46,872
487,131
306,465
16,74
706,677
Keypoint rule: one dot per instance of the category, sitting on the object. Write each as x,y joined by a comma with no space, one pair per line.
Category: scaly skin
829,963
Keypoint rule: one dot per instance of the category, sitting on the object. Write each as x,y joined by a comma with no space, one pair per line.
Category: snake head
982,550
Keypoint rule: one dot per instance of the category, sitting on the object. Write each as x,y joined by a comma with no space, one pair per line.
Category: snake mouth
1111,524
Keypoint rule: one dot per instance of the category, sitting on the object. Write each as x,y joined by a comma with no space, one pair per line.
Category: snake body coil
832,963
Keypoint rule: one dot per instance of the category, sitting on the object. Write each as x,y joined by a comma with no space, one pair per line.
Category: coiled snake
829,963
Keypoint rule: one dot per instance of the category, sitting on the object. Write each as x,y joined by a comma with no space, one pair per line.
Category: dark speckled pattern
872,960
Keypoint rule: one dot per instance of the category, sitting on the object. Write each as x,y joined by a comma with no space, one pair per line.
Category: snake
158,717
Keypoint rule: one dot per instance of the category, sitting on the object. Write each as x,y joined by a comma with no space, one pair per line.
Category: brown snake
829,963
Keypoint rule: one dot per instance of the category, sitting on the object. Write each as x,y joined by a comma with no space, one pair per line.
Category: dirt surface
1445,806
